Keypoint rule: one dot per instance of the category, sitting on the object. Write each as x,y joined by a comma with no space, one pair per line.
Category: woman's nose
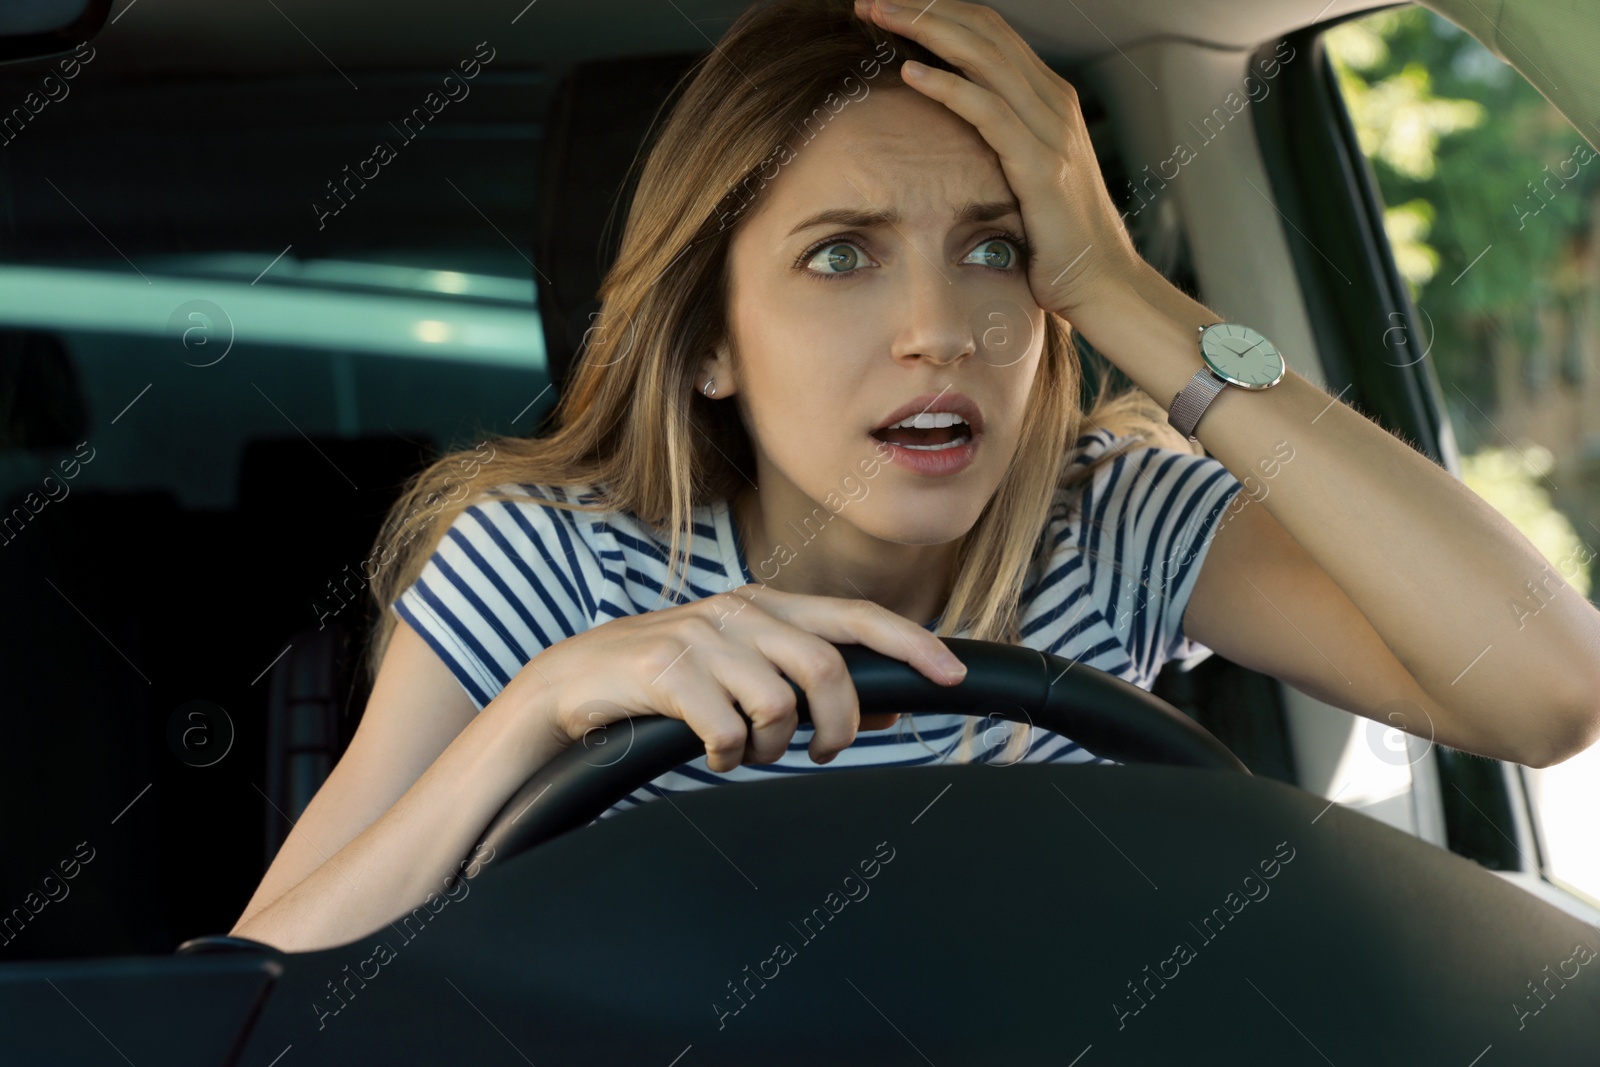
935,315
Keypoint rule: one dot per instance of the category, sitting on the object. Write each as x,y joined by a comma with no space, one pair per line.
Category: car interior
216,491
204,561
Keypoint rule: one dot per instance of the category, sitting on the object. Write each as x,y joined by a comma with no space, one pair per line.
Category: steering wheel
1109,716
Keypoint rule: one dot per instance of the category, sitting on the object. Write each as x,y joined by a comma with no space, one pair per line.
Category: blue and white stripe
511,578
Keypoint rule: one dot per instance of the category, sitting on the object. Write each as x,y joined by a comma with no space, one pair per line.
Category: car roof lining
1551,42
181,36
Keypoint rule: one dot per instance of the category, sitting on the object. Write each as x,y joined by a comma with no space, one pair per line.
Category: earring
711,387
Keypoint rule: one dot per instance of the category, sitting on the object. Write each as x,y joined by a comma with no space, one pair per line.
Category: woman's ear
716,378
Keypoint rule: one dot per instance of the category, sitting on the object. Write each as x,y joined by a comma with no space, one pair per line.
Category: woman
848,219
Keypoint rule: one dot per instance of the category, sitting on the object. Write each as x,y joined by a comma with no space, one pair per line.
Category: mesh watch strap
1192,400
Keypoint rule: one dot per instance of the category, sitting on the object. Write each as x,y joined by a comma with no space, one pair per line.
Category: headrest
599,118
41,400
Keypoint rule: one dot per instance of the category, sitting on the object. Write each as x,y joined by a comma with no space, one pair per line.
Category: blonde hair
631,422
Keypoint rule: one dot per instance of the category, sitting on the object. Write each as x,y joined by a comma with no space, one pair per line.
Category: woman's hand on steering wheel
695,660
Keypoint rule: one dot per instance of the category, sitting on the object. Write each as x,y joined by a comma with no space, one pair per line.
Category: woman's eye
845,257
837,258
997,252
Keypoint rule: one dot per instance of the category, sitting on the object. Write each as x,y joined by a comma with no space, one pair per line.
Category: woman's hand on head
696,660
1030,116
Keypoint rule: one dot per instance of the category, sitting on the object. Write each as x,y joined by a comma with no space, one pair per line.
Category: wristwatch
1234,355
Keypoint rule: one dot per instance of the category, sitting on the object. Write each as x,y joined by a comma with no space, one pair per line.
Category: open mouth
926,439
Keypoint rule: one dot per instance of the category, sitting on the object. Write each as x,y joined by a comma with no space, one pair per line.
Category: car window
212,386
167,388
261,288
1490,202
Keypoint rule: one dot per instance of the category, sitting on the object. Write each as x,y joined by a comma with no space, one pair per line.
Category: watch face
1241,356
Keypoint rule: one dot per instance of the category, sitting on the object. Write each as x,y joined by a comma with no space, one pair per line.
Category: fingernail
886,7
952,665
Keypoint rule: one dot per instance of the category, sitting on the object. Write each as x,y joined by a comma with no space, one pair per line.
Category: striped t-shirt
511,578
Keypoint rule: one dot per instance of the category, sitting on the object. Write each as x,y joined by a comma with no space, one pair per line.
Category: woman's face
837,324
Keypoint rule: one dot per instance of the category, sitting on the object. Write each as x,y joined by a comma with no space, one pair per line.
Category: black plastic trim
51,43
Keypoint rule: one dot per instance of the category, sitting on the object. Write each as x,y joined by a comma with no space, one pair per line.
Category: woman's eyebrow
972,211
